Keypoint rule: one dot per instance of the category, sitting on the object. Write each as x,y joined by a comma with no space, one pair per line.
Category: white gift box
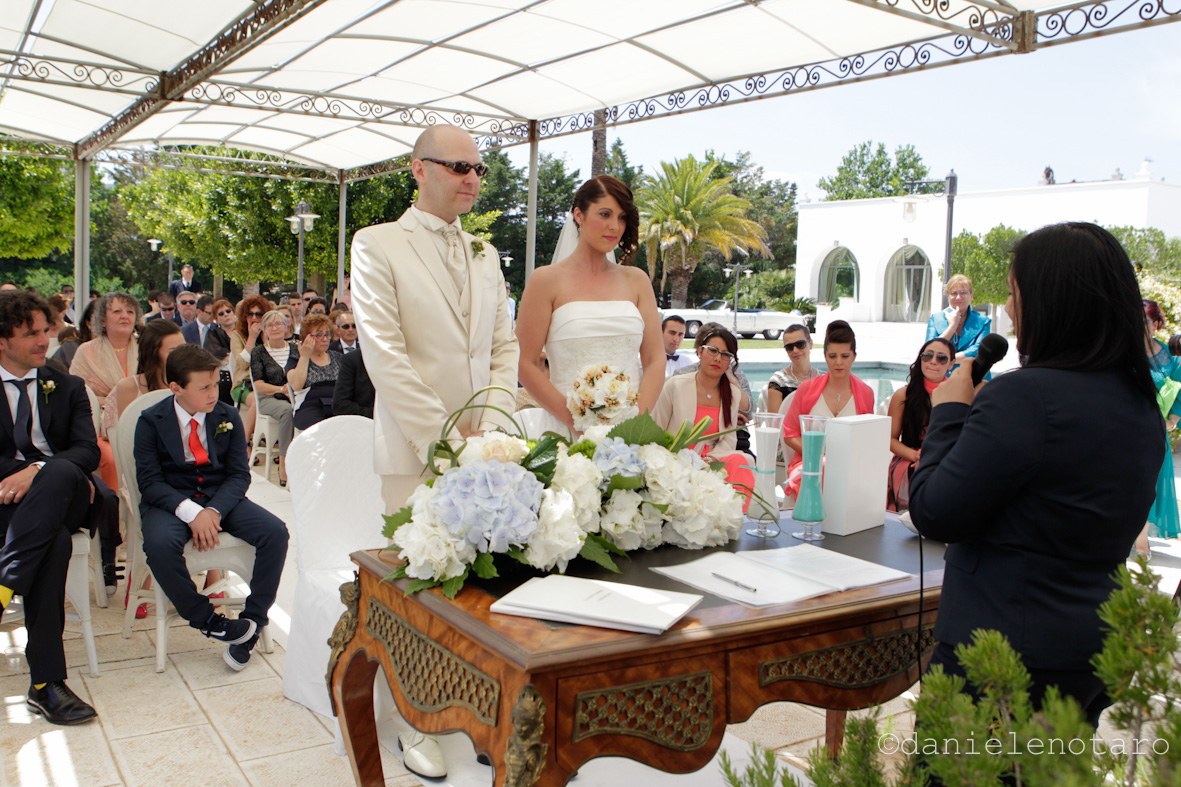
857,461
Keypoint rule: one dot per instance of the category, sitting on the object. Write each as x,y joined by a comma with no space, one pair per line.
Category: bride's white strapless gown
586,332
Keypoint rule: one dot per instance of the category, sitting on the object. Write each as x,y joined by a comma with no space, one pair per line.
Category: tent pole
341,223
531,210
81,235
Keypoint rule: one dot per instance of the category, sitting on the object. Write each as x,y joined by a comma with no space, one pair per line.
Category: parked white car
751,322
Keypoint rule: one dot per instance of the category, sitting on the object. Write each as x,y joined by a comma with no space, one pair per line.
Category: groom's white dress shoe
421,754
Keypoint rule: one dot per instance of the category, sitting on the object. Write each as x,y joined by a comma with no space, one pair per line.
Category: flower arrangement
601,395
545,502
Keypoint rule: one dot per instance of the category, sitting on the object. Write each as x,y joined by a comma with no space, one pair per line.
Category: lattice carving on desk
850,665
430,676
675,712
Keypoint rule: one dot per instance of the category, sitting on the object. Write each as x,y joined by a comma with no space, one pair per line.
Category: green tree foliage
36,206
620,167
685,211
866,171
985,260
1152,250
772,206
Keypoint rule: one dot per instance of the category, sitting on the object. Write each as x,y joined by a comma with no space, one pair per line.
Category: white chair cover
533,420
338,510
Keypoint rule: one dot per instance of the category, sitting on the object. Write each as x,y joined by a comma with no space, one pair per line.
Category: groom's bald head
442,191
435,139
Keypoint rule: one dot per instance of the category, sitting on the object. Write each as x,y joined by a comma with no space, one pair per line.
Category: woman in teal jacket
958,323
1163,520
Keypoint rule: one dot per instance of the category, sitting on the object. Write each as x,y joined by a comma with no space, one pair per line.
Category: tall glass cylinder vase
764,508
809,510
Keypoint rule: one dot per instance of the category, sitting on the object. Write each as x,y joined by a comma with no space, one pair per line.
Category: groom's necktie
22,429
456,261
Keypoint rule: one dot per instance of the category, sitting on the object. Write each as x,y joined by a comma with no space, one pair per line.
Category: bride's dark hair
607,186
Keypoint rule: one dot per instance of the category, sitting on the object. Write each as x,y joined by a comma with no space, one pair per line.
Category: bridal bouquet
601,395
545,502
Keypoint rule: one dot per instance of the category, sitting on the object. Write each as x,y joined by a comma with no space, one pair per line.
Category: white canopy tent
339,89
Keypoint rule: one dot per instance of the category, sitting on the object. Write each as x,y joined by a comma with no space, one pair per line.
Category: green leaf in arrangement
640,430
517,554
415,585
452,586
584,447
395,521
625,482
595,549
484,566
717,467
544,457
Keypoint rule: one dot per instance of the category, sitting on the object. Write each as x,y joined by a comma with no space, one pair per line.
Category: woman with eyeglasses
910,409
246,335
268,363
710,392
314,369
959,323
1163,519
835,393
797,341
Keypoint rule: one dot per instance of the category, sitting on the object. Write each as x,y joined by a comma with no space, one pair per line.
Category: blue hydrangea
613,456
491,505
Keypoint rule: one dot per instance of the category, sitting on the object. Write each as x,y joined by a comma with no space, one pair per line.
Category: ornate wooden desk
540,699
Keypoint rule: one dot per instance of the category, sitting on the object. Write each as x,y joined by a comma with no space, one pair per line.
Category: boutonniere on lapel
47,387
222,428
477,247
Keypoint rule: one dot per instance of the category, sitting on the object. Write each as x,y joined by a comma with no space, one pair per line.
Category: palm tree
685,212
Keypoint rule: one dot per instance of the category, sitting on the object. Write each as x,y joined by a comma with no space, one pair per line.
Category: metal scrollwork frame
676,712
850,665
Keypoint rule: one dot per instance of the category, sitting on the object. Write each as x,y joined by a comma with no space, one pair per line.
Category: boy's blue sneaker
231,632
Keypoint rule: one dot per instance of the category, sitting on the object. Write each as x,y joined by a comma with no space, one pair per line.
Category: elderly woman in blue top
958,323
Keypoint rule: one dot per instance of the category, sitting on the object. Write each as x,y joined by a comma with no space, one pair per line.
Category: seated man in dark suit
354,392
47,453
346,334
190,458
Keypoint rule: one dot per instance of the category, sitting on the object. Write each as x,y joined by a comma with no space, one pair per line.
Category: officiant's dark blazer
354,394
217,341
165,479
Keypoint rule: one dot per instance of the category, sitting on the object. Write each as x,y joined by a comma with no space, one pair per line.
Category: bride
586,309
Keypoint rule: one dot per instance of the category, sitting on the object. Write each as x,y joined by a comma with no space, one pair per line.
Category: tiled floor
199,723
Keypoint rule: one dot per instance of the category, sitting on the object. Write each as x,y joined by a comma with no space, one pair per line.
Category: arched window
908,286
839,277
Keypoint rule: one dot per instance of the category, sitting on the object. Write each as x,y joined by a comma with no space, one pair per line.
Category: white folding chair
232,554
338,508
270,430
83,557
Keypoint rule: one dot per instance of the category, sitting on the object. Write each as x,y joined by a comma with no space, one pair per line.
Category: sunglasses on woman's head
939,358
460,167
801,344
714,352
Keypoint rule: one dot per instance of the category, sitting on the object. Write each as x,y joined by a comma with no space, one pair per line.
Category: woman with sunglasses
1163,519
710,392
835,393
910,409
243,339
797,342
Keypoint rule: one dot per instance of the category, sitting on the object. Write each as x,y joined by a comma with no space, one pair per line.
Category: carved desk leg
350,685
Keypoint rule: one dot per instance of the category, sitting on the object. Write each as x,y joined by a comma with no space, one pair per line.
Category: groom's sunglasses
461,167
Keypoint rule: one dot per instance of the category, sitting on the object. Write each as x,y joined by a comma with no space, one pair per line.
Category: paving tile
316,765
779,724
276,659
140,701
111,648
35,753
258,721
183,639
206,669
191,757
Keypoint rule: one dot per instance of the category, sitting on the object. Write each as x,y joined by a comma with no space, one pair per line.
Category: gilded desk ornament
850,665
430,676
524,755
675,712
342,633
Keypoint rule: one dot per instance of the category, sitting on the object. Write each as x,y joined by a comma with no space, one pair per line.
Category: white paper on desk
593,602
773,586
826,566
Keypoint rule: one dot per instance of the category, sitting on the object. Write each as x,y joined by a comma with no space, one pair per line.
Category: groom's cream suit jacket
428,347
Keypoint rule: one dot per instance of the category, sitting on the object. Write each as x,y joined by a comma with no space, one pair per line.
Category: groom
433,319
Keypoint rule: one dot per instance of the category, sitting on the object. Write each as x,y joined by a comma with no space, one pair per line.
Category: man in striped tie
192,471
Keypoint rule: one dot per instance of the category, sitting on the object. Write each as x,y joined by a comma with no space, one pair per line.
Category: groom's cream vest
428,348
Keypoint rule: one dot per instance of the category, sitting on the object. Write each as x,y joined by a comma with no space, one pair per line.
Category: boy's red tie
195,444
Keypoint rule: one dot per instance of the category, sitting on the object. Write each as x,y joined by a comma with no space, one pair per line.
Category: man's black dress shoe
58,704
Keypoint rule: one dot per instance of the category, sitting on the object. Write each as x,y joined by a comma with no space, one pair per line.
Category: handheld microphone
992,349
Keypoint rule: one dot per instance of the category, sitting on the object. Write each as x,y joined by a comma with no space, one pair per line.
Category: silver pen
735,582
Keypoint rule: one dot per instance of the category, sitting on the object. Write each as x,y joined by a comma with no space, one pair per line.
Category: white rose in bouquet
493,447
429,550
559,538
578,475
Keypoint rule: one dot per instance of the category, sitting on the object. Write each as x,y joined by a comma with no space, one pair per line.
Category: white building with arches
882,259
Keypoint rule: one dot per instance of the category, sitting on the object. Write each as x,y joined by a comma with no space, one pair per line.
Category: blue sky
1084,108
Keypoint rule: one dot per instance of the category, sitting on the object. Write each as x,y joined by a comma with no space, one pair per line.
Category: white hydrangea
559,538
597,433
493,447
621,522
429,550
711,513
578,475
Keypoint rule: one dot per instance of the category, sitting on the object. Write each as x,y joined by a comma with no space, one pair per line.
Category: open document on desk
594,602
768,577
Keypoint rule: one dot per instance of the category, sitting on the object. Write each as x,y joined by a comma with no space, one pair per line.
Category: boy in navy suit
190,458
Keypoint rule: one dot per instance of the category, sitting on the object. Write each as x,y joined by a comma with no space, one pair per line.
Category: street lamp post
738,271
155,243
301,222
950,186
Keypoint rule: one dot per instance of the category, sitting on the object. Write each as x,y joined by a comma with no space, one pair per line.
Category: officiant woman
1036,521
